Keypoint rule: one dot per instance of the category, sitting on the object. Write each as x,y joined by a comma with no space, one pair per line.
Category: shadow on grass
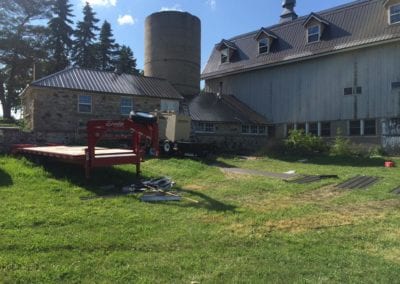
5,179
204,202
334,160
108,182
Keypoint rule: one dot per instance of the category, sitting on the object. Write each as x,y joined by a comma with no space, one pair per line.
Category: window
253,129
126,106
358,90
355,128
224,55
325,129
313,128
370,127
85,104
394,14
313,34
301,127
169,105
206,127
263,45
348,91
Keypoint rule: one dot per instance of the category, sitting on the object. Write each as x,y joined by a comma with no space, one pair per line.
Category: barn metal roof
109,82
225,108
354,25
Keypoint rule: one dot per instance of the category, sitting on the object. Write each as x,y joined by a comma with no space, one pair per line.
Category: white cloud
100,2
126,20
212,4
176,7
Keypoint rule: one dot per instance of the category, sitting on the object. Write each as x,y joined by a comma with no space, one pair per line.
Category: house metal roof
226,108
354,25
109,82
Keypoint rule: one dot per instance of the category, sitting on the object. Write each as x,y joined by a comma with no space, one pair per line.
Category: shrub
341,146
304,144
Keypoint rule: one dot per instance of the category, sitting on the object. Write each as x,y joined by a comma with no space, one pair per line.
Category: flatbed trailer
141,128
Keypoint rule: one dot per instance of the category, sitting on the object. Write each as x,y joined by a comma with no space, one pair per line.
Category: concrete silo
172,49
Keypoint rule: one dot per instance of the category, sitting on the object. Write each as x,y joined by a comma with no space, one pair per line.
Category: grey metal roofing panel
109,82
353,25
209,107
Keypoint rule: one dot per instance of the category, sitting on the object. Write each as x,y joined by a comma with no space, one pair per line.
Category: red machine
141,129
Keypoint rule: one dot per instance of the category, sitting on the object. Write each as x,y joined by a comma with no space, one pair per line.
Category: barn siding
312,90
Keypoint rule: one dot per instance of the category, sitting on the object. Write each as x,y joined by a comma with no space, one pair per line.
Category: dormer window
227,50
265,39
315,26
394,12
225,55
263,46
313,34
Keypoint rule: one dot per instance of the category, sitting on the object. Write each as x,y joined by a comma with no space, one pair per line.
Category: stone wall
13,135
56,110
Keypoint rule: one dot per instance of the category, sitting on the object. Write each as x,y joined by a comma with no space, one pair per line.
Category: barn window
253,129
355,127
262,130
301,127
358,90
348,91
313,33
263,45
225,55
325,129
85,104
245,128
370,127
394,14
126,105
205,127
313,128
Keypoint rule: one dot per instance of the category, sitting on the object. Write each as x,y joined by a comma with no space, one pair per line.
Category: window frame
313,34
254,129
226,56
374,127
313,128
390,15
205,127
85,104
267,45
124,106
352,128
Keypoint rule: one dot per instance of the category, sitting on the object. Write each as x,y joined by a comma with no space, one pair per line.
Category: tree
21,45
106,50
126,62
84,49
60,42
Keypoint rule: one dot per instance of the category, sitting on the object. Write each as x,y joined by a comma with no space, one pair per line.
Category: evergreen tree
22,41
84,48
60,42
126,62
106,50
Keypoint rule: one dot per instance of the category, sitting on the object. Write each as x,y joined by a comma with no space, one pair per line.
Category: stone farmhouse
59,105
335,70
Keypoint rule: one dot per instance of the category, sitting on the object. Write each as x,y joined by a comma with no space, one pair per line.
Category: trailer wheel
167,147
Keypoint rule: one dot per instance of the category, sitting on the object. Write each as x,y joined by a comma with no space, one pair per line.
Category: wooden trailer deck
74,152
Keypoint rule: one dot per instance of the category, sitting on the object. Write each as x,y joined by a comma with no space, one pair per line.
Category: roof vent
288,13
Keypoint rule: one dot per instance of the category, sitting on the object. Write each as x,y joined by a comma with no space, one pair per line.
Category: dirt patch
195,187
323,194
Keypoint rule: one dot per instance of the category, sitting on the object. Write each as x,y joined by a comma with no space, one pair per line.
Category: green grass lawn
244,229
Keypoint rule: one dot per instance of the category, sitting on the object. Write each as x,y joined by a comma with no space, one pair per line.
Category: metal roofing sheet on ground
109,82
352,25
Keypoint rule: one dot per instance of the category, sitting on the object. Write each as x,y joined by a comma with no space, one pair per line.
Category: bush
304,144
342,147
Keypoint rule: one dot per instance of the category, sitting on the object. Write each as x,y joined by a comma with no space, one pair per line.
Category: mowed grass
244,229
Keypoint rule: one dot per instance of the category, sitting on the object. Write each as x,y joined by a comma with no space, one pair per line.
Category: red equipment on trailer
142,128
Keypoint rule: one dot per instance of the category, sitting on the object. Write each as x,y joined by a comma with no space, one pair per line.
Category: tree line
37,38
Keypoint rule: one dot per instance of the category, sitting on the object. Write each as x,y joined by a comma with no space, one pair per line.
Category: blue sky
219,18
